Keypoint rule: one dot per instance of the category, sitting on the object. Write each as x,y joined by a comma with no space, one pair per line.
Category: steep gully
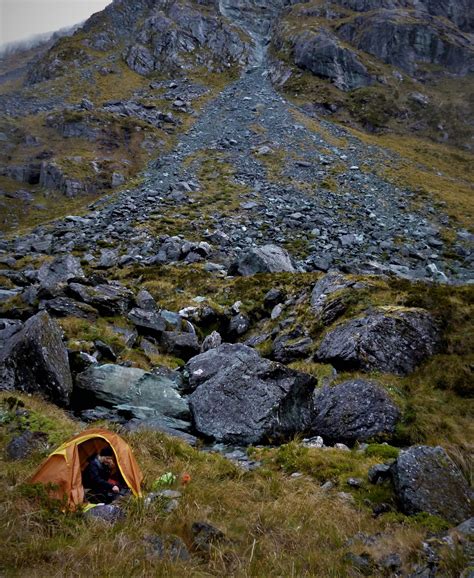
312,188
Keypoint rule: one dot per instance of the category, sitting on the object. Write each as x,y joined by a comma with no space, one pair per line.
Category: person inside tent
101,479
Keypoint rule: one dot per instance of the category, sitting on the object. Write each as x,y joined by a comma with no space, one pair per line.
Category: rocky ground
263,283
314,192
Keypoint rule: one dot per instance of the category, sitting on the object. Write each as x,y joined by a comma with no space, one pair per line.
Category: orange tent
63,468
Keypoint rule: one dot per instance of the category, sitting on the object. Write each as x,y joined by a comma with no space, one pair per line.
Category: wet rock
134,392
427,480
265,259
355,410
35,360
242,398
394,340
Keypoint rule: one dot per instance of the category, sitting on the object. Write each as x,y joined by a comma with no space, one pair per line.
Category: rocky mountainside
217,225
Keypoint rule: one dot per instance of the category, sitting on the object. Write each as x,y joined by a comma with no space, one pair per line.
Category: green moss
383,451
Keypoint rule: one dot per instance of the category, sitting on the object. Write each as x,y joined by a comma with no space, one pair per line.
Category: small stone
342,447
354,482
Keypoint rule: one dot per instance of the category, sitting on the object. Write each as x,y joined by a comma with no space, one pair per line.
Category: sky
22,19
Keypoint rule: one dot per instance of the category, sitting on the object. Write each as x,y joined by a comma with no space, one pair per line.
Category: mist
35,21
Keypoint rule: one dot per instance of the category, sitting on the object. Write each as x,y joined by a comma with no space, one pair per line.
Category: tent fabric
63,468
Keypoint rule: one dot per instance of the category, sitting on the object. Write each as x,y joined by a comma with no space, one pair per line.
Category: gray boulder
321,53
67,307
393,340
182,345
108,299
54,276
242,398
133,392
355,410
35,360
148,321
265,259
427,480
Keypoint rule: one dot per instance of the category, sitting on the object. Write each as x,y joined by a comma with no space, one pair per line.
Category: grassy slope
275,525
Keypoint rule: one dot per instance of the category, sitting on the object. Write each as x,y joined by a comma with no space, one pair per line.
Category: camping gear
63,468
167,479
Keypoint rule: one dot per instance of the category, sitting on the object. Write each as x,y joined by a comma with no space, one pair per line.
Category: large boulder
242,398
35,360
265,259
355,410
427,480
393,340
133,392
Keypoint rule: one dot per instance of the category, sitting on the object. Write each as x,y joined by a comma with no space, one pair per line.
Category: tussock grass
275,524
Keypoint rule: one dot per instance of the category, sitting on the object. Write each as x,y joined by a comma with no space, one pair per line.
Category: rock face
133,392
356,410
242,398
427,480
400,39
266,259
387,339
321,53
35,360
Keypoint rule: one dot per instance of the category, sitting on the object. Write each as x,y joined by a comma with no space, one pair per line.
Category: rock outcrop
322,54
398,38
242,398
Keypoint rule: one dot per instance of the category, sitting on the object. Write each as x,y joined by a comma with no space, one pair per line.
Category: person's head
106,456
